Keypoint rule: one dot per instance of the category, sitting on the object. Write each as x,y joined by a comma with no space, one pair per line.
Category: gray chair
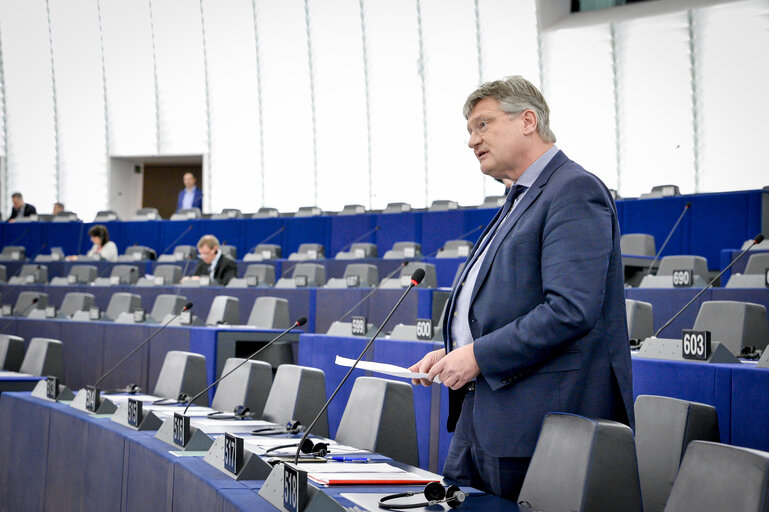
24,306
455,249
171,274
308,211
493,202
106,216
352,209
638,244
13,253
228,213
166,304
367,276
181,253
583,465
661,191
379,417
43,357
297,393
31,274
147,214
182,372
442,205
358,251
716,477
664,427
266,213
669,264
122,302
640,319
229,250
84,274
314,272
754,275
224,310
3,274
186,214
309,251
401,250
57,254
264,252
65,217
248,386
763,246
269,313
397,208
430,280
11,352
265,274
120,274
74,302
735,324
138,253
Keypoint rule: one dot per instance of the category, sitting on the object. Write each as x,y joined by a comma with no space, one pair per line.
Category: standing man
213,263
20,208
190,196
537,320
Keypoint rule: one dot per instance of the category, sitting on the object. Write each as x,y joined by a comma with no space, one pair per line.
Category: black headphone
434,492
308,448
240,412
181,398
292,427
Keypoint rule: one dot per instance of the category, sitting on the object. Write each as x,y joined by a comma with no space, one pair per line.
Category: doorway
163,182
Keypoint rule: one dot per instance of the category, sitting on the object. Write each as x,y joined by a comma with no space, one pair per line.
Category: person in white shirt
102,246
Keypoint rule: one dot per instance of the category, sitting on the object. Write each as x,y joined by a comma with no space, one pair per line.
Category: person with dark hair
20,208
102,247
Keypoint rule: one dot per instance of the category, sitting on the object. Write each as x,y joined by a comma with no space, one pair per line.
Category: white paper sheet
386,369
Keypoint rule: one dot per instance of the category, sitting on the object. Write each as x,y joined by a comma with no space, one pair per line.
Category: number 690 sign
695,345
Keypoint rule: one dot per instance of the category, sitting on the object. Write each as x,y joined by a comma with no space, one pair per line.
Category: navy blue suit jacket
197,200
547,314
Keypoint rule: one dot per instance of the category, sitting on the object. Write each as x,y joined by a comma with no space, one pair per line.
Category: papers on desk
346,473
167,411
210,426
123,399
4,374
386,369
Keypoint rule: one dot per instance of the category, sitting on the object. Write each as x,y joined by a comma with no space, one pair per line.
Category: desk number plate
252,280
135,413
294,488
185,317
358,325
696,345
139,316
181,429
50,312
683,278
300,281
233,453
353,281
51,387
92,398
424,329
94,313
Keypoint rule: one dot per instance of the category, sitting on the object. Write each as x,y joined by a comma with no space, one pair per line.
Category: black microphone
416,278
757,240
173,244
657,256
23,313
279,231
364,235
112,200
95,388
369,294
307,447
299,322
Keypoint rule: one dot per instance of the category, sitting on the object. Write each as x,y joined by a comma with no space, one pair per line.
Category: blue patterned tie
516,191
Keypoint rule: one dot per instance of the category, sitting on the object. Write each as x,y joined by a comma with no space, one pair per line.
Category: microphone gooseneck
416,278
369,294
757,240
172,244
299,322
22,313
672,230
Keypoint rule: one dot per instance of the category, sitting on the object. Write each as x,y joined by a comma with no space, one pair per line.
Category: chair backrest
185,251
455,249
308,211
127,274
84,274
441,205
147,214
122,302
368,274
493,202
265,274
430,280
397,208
315,272
265,213
24,302
297,393
249,386
640,319
224,310
230,251
167,304
76,301
404,250
171,274
14,252
697,264
268,251
65,217
736,324
715,477
43,357
139,252
38,273
582,464
269,313
3,274
310,249
664,428
106,216
639,244
11,352
757,263
379,416
352,209
186,213
661,191
363,250
763,246
182,372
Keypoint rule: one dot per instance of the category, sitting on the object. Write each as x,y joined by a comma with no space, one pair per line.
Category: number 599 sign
695,345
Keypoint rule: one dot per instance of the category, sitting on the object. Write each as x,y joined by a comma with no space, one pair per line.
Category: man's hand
425,364
457,368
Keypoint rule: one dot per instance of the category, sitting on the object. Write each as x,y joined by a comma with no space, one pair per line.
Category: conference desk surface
54,457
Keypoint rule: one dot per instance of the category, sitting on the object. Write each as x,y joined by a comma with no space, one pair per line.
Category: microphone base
40,391
198,442
317,500
670,350
254,466
149,422
106,406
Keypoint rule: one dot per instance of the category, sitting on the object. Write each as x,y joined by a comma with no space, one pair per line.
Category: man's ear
529,122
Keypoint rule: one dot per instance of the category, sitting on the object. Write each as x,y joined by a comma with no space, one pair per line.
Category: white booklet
386,369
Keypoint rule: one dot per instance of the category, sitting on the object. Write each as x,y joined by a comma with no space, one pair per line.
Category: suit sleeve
230,270
198,202
575,252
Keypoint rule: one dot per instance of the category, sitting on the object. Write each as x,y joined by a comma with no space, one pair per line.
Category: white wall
332,102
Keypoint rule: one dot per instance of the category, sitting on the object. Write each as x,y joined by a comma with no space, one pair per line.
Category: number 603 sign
695,345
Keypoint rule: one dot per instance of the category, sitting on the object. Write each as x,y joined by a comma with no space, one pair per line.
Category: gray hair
515,94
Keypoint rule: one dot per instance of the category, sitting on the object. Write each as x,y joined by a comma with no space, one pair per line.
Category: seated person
213,263
58,208
20,208
102,247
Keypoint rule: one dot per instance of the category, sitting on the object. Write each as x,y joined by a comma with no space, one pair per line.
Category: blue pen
339,458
